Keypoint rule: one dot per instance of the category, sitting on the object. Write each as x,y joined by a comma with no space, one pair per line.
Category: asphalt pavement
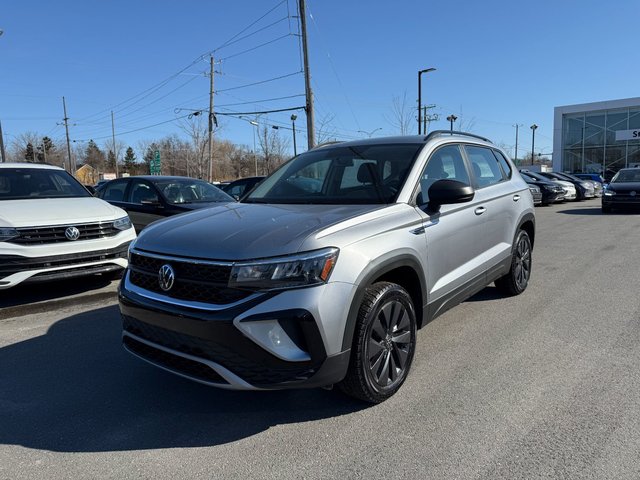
544,385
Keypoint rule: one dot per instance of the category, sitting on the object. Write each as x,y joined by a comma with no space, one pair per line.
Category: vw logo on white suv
72,233
166,277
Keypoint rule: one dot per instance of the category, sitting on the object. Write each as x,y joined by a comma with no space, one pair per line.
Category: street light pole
255,157
293,123
452,118
420,97
370,134
533,140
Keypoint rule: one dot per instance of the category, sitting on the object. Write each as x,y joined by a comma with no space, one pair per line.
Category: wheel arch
405,271
528,224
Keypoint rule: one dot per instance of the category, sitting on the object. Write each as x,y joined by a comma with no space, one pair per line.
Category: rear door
498,196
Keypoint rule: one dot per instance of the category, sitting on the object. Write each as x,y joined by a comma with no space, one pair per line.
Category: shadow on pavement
75,389
39,292
597,211
486,294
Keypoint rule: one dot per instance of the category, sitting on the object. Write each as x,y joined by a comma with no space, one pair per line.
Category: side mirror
445,192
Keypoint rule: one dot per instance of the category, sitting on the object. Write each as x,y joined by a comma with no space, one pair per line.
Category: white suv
323,273
52,228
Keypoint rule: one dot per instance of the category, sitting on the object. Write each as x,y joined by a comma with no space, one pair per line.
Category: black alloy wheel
515,282
384,344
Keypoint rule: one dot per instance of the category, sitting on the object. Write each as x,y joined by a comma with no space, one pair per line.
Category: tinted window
190,190
444,163
627,176
506,168
356,174
22,183
141,192
485,166
114,191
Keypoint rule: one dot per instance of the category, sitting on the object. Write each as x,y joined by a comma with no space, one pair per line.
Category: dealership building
599,137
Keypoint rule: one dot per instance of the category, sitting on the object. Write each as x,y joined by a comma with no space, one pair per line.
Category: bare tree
24,147
402,115
274,149
325,131
197,129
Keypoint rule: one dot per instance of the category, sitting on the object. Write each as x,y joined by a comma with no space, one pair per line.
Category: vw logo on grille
633,193
72,233
166,277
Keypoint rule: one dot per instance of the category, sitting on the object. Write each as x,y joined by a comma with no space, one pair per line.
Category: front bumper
621,201
16,269
262,342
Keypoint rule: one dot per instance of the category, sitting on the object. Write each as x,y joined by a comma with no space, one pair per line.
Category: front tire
515,282
383,344
606,209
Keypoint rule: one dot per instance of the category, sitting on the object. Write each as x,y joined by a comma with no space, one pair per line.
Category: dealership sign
627,135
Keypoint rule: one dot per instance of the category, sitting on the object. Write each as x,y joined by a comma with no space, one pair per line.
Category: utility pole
427,119
113,138
44,151
2,152
515,154
211,118
72,168
311,131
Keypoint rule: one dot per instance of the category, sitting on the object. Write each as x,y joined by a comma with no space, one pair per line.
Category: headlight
122,223
609,193
311,268
7,234
586,185
548,188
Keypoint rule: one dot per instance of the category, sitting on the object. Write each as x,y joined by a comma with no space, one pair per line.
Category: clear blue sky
498,63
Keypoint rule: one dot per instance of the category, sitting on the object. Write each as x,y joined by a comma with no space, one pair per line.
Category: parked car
238,188
568,187
596,186
149,198
596,177
584,188
51,227
551,192
536,194
300,286
623,191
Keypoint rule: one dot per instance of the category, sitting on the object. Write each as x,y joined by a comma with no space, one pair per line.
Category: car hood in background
237,231
33,212
625,187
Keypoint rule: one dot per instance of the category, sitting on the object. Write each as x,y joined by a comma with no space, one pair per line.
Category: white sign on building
622,135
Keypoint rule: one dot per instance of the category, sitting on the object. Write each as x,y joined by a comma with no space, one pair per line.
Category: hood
237,231
33,212
565,184
625,187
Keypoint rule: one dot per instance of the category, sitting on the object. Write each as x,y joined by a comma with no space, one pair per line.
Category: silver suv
324,272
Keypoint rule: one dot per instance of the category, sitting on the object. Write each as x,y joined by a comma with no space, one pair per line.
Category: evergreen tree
111,162
129,160
49,150
29,153
94,156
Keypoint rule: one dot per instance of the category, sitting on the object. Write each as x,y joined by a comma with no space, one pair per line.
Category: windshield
26,183
189,190
361,174
627,176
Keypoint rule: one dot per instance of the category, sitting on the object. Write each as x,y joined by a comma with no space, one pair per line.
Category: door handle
480,210
516,198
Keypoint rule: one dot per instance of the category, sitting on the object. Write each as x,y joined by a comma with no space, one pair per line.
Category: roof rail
330,142
436,133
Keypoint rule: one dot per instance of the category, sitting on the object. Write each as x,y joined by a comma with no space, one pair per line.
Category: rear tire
515,282
383,344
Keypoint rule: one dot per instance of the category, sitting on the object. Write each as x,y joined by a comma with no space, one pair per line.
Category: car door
498,196
453,235
144,203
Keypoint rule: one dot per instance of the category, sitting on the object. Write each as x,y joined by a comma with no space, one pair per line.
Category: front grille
253,371
10,264
55,234
196,282
174,362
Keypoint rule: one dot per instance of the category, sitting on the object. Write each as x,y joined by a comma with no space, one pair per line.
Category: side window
485,166
140,192
237,190
506,168
114,191
446,162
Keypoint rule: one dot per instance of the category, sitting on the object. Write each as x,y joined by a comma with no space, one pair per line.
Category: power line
263,100
137,129
256,32
256,47
225,44
259,83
